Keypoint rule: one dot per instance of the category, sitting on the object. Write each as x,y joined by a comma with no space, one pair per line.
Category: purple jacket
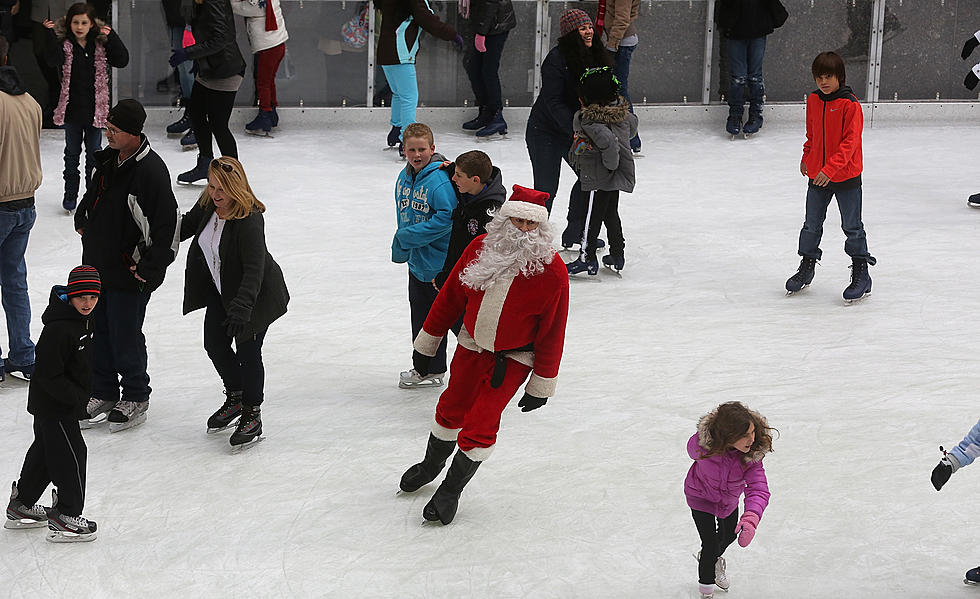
715,484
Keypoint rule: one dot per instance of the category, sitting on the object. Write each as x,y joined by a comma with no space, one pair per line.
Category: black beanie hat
598,86
84,280
128,116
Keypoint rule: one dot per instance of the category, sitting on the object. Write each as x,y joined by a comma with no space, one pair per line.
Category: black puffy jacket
215,50
491,17
744,19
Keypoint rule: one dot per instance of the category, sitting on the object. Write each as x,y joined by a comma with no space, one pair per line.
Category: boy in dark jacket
480,189
57,398
832,161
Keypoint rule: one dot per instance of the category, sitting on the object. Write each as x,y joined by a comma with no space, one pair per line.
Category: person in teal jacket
424,204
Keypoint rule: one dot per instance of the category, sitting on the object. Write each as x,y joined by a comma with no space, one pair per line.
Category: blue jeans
849,203
15,228
745,59
622,69
75,134
482,69
404,93
547,151
184,68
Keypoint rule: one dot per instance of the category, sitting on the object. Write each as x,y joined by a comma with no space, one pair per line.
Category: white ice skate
127,414
98,412
721,577
410,379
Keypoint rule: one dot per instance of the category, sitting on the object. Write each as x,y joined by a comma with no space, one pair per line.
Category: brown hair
81,8
730,423
475,164
230,174
419,130
828,63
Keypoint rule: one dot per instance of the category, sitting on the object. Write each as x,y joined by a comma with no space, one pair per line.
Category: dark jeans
119,355
421,294
482,69
849,203
622,69
745,58
209,111
240,369
183,69
15,231
603,207
547,151
716,535
58,455
75,134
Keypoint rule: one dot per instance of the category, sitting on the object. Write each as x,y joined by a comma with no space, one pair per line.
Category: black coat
491,17
745,19
62,379
128,216
252,285
172,14
470,218
215,50
81,85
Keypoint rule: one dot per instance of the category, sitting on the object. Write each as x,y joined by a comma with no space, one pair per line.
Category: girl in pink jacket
727,451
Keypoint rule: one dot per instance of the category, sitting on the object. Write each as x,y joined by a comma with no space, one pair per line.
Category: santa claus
511,289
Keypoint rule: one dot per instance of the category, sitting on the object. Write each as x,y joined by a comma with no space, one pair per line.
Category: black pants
716,535
39,37
119,356
241,368
547,151
58,455
603,208
421,294
209,111
483,70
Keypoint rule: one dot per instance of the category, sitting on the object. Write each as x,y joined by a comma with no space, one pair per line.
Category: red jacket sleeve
449,305
550,340
850,142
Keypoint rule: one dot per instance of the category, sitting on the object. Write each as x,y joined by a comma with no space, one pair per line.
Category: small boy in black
57,398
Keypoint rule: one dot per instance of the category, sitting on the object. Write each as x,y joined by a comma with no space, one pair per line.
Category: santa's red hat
529,204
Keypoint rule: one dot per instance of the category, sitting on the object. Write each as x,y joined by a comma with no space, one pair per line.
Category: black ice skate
860,286
496,126
753,125
734,125
249,430
181,125
972,576
437,452
803,276
68,529
127,414
481,120
21,516
227,415
614,263
442,507
589,265
261,125
394,136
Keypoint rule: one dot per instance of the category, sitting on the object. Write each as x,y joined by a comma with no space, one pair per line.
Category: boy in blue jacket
424,204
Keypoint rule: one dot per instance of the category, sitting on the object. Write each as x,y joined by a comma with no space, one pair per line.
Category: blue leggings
404,93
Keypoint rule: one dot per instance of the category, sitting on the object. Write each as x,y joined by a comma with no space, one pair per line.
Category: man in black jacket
127,220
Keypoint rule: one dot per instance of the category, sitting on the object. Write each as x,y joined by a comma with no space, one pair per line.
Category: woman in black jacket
220,71
231,273
491,22
549,126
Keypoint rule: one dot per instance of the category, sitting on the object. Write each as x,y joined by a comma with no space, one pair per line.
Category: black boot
394,136
249,427
442,506
803,276
437,452
481,120
198,172
227,414
860,281
181,125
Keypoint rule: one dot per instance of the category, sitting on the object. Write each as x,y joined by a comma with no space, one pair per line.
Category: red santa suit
520,320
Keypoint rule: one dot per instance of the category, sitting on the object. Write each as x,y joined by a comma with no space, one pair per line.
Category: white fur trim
525,210
427,344
479,454
444,434
541,387
487,319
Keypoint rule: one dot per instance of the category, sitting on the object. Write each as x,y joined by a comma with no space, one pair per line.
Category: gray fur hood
62,30
704,438
609,114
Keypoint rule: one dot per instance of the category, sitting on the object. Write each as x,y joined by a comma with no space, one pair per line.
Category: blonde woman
231,274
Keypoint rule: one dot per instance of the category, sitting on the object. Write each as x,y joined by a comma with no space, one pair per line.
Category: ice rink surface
584,497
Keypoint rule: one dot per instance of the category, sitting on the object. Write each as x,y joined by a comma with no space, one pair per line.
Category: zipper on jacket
823,135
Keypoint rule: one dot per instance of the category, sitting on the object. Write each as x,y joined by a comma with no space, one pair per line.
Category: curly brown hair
730,422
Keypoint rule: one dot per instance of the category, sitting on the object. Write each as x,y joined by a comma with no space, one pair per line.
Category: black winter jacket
172,14
215,50
402,23
62,379
470,218
744,19
252,285
492,17
128,216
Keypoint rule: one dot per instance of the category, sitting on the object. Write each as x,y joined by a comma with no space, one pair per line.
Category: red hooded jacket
834,123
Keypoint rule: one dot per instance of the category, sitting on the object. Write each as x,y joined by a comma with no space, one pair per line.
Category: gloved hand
970,45
179,56
746,528
458,42
580,145
234,325
971,80
480,43
530,402
944,469
420,362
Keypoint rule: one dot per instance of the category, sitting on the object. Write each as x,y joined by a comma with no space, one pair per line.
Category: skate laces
128,408
76,521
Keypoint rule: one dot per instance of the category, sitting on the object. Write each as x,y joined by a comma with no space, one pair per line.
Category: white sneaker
410,379
721,578
706,590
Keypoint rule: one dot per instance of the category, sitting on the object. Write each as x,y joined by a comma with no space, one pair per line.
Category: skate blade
24,523
613,271
495,136
259,133
115,427
189,148
972,583
93,422
789,293
849,302
427,383
20,375
57,536
212,431
244,446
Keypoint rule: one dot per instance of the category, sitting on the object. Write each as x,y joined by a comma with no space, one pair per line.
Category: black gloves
530,402
234,325
458,42
180,55
420,362
971,80
944,469
968,48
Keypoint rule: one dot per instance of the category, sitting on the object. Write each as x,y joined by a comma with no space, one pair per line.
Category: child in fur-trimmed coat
727,451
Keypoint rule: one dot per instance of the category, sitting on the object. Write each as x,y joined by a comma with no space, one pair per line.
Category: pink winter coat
715,484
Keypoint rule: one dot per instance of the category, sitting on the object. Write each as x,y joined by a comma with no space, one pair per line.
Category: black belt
500,364
15,205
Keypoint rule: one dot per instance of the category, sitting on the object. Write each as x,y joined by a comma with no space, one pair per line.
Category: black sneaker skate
68,529
249,430
860,282
227,414
21,516
803,276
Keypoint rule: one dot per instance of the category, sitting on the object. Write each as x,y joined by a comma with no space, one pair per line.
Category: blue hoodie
969,448
424,205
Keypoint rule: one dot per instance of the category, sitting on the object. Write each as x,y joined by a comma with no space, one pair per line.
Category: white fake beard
508,251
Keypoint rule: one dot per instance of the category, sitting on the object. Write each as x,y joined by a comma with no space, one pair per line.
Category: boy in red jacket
833,164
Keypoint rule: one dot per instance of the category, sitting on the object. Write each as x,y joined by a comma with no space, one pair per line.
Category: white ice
582,498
